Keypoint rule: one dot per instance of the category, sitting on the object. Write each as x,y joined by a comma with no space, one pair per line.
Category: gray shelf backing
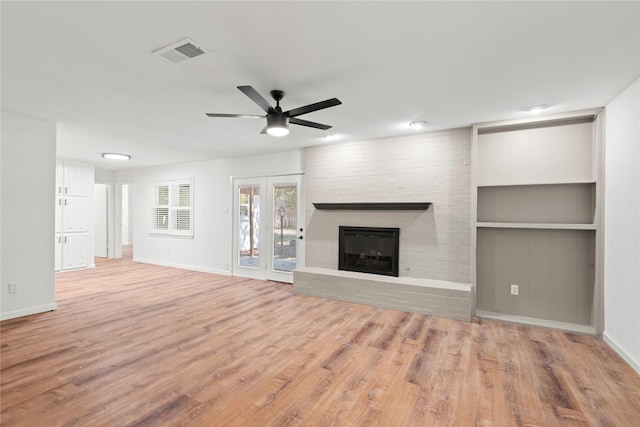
554,203
553,269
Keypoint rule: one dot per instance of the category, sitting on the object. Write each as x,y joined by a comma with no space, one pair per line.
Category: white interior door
268,236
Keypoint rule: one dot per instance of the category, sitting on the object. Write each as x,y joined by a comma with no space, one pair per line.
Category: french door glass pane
285,214
249,221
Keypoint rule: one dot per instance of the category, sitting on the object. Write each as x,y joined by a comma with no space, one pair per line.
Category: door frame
264,271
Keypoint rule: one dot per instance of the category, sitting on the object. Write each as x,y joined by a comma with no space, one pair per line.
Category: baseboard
621,352
532,321
28,311
183,266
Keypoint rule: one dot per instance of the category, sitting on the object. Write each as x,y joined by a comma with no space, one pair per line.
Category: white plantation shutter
184,195
161,208
163,195
161,219
181,206
172,207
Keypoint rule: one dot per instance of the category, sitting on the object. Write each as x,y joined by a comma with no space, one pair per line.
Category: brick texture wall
431,167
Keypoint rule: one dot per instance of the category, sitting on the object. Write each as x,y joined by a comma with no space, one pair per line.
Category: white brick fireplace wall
430,167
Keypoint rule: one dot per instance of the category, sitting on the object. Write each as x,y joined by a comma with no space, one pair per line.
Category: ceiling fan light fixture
277,124
277,120
116,156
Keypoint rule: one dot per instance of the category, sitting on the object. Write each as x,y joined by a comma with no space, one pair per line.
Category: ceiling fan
277,120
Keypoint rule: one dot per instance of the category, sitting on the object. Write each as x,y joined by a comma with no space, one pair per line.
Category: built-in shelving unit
74,184
398,206
536,204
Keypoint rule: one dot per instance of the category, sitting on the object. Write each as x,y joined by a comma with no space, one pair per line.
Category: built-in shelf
534,124
389,206
531,183
537,209
547,226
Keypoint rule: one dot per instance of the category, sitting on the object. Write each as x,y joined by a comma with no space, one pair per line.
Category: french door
268,230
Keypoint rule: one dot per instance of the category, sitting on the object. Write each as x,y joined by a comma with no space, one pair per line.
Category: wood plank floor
141,345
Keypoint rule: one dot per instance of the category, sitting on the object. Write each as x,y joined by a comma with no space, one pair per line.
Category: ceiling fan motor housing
277,95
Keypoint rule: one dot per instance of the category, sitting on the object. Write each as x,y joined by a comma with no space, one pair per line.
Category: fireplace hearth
369,250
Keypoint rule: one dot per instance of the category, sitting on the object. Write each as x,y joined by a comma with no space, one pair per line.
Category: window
171,208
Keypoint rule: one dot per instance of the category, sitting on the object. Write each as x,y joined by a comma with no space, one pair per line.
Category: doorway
268,240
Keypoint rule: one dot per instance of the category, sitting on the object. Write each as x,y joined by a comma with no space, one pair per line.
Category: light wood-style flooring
141,345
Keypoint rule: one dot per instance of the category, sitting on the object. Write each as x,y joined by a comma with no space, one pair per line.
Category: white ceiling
88,66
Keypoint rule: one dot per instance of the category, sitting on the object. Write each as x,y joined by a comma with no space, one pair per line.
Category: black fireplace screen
369,250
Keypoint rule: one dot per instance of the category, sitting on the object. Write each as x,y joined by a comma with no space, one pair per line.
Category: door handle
300,237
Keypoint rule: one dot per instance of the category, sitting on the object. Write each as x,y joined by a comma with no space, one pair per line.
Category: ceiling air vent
180,51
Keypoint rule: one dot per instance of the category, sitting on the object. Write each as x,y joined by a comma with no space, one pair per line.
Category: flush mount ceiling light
116,156
536,108
420,124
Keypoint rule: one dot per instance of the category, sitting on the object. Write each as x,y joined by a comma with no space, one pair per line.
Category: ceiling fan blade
251,116
257,98
264,130
313,107
308,124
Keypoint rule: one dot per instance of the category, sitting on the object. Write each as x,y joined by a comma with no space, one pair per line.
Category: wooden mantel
399,206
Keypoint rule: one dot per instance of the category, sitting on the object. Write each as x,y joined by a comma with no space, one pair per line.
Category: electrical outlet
515,290
13,287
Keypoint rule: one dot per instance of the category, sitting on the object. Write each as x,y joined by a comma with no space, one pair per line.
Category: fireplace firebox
369,250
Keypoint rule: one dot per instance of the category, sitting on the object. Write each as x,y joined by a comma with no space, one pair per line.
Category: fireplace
369,250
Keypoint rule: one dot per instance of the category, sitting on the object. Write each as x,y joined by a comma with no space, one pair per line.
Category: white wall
210,249
108,178
104,176
27,218
622,225
127,229
430,167
100,220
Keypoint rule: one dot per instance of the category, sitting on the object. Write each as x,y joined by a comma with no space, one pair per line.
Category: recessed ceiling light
420,124
116,156
536,108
